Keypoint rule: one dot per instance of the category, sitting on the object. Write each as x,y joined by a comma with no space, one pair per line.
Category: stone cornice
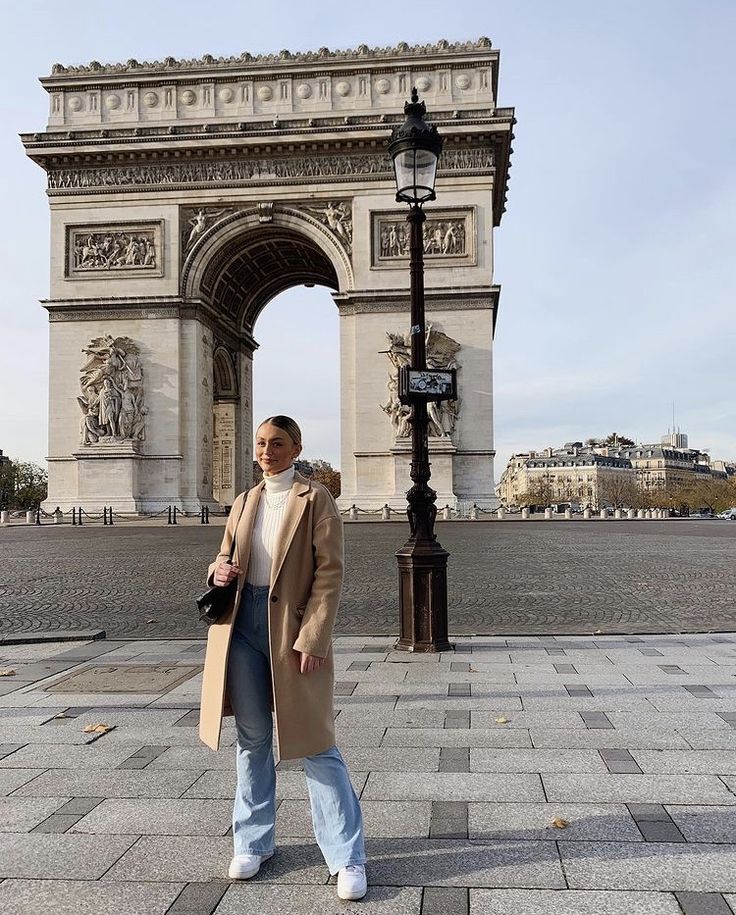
471,299
246,61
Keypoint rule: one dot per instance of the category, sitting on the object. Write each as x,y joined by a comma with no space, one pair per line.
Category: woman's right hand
225,573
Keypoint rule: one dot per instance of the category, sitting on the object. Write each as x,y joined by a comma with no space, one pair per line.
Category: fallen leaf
502,720
559,823
97,729
7,672
61,715
151,620
598,632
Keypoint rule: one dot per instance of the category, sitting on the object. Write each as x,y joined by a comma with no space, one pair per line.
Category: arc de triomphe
186,194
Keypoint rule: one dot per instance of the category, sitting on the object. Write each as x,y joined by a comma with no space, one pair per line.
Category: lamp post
415,147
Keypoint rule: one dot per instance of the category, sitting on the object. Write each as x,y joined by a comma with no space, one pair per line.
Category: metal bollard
38,516
386,513
110,514
79,515
104,515
353,512
174,516
169,521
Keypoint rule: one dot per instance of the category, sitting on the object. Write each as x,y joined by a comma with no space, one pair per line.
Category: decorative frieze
114,250
449,237
441,354
253,170
111,399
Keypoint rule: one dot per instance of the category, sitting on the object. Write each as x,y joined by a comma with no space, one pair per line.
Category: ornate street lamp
415,147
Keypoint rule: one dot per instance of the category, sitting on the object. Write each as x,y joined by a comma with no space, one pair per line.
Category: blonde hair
287,424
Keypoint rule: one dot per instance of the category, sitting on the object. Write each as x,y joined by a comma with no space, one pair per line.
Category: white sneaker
243,867
352,882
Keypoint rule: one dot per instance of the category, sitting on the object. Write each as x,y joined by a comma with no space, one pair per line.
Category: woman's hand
225,573
308,662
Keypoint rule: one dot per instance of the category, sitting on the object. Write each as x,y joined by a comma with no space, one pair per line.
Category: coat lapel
244,532
295,508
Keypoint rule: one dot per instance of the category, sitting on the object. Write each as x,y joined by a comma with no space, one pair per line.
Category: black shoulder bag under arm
216,600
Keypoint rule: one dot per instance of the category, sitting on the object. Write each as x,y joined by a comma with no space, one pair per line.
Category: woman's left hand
308,663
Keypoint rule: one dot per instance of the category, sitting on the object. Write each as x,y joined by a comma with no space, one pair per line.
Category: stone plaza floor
513,776
504,578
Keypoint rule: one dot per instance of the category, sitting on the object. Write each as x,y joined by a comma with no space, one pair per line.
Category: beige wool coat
304,593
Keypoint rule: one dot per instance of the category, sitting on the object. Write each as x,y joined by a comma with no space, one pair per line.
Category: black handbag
216,600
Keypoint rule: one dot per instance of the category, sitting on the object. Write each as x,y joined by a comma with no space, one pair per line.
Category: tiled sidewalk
464,761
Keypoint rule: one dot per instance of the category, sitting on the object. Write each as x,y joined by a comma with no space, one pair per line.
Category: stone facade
185,195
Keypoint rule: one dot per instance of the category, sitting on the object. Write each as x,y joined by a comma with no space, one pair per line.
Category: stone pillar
525,514
603,514
586,514
630,514
353,513
568,514
641,513
447,513
30,517
4,517
617,514
500,514
386,513
548,514
58,516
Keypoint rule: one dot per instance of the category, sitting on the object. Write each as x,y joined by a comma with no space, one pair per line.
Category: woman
273,651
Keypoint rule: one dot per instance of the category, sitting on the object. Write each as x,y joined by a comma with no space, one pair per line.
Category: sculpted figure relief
111,398
441,237
337,216
114,250
441,354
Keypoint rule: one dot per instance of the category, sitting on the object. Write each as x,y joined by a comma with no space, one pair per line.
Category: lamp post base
423,597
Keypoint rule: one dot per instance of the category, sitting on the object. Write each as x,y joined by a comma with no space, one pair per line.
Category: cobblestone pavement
518,775
504,577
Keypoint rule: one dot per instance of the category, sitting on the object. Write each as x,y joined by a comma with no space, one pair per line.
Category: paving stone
703,904
587,822
446,862
456,737
60,857
649,812
390,759
203,858
452,786
370,716
194,757
522,760
66,733
381,819
705,824
731,900
449,820
560,718
57,823
158,817
19,814
658,789
660,831
199,898
110,783
263,899
597,738
11,779
476,702
707,762
66,756
445,900
571,902
72,897
659,866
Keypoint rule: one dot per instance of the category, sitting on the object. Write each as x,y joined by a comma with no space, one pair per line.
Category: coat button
273,598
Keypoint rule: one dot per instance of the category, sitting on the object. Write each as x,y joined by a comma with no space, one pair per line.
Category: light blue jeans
336,814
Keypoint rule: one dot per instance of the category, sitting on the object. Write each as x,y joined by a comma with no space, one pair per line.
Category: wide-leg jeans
336,814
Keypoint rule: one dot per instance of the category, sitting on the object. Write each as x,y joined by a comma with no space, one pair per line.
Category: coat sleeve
315,634
227,537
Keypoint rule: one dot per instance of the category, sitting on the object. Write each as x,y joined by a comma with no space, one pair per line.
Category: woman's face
275,449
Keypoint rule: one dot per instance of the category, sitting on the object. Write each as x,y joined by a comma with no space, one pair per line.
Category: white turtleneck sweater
269,518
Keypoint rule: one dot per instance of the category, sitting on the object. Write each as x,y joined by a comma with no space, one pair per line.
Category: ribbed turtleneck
269,518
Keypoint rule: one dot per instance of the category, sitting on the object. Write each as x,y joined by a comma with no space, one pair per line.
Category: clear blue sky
616,255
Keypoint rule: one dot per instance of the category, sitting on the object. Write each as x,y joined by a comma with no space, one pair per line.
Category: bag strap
235,531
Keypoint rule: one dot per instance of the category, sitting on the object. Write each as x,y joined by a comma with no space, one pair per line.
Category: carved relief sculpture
441,354
122,250
111,399
447,235
195,221
337,216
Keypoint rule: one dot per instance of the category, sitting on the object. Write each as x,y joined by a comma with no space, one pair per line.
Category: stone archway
186,194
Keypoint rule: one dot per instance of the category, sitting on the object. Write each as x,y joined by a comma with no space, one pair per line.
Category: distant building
587,474
4,459
569,474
